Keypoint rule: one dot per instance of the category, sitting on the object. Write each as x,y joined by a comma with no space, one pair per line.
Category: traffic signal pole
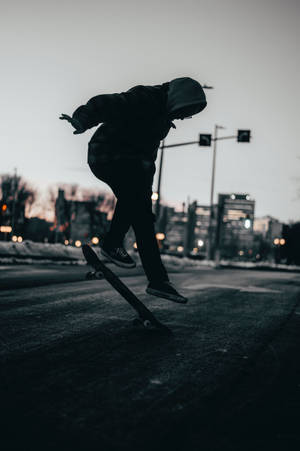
212,187
13,214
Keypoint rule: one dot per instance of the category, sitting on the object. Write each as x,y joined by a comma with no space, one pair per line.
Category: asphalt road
76,374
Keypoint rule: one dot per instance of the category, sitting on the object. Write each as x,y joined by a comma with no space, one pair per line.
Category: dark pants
131,182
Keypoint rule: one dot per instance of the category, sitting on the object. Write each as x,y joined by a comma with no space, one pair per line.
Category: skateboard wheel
99,275
147,323
89,275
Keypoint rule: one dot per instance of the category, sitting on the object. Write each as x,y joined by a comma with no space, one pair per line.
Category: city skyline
54,60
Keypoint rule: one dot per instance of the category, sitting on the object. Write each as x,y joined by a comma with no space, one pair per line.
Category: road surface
75,373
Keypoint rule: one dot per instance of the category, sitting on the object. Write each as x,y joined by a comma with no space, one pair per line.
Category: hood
185,97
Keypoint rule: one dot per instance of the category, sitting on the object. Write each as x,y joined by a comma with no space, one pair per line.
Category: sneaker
119,256
165,290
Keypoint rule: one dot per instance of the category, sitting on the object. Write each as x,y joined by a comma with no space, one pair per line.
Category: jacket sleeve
136,102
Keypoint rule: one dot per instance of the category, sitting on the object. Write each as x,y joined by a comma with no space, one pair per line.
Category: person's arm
138,101
79,128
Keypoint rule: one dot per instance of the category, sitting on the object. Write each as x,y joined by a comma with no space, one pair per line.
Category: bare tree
104,200
77,193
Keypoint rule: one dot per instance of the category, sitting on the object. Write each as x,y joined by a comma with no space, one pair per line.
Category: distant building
37,229
78,220
12,217
268,227
290,248
234,234
175,230
187,231
202,227
268,233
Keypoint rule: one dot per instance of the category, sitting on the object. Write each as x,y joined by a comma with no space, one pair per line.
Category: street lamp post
13,214
212,188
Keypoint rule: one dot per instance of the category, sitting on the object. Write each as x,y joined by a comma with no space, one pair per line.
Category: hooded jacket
134,122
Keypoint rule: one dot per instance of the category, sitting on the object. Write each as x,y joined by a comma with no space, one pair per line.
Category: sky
56,55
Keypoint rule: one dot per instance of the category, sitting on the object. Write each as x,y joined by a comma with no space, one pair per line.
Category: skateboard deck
145,316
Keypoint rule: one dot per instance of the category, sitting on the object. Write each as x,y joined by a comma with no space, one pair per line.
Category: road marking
155,382
247,289
253,289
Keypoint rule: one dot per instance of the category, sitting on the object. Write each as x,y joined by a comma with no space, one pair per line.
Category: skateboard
145,317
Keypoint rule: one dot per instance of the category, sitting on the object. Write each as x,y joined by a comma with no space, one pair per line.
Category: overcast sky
56,55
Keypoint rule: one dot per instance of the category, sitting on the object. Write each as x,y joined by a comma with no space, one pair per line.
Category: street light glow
180,248
5,229
20,239
160,236
154,196
200,243
95,240
78,243
282,241
276,241
14,238
247,223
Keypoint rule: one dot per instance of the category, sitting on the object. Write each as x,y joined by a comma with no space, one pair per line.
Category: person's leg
143,227
120,222
132,184
119,226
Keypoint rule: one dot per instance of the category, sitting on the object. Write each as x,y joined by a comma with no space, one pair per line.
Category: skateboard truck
93,275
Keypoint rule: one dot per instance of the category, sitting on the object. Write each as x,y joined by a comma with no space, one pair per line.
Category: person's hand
76,124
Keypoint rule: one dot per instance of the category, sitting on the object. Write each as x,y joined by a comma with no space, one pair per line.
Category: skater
122,153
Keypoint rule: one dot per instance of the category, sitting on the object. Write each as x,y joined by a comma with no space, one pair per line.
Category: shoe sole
116,262
170,297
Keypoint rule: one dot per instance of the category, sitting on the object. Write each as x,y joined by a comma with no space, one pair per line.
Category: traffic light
243,136
3,212
204,140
